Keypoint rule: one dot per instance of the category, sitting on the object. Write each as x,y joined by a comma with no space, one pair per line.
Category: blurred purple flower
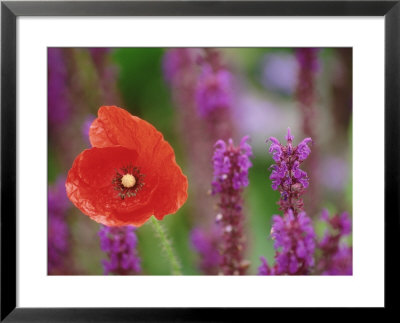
57,92
58,234
342,262
279,72
256,113
206,244
341,223
58,201
175,61
107,73
286,175
58,246
336,257
213,90
307,58
119,243
99,55
231,165
334,173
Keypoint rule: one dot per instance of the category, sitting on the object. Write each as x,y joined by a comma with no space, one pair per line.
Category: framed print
167,161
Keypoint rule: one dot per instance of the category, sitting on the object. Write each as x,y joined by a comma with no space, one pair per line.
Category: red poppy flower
130,173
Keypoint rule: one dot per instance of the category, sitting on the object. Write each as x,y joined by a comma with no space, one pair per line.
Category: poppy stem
167,246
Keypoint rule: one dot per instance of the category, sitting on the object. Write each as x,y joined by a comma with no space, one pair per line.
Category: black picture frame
10,10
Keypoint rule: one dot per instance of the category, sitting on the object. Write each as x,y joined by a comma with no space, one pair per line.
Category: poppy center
128,180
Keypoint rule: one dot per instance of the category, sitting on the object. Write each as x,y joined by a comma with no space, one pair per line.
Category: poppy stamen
128,181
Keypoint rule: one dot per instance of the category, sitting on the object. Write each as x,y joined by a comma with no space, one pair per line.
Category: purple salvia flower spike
230,177
294,242
286,176
293,234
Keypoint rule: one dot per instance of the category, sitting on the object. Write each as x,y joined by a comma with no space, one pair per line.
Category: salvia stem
167,246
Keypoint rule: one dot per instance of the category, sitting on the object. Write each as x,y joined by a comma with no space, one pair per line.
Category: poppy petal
117,127
89,186
172,188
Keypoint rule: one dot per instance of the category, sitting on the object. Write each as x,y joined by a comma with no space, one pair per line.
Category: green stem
167,246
